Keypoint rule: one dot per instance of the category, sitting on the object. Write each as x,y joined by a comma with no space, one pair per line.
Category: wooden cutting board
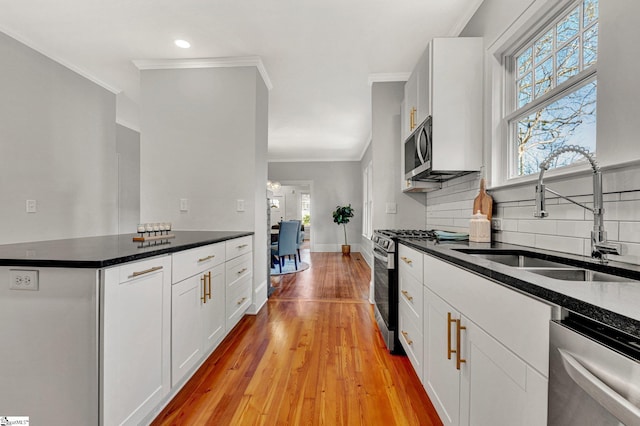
483,202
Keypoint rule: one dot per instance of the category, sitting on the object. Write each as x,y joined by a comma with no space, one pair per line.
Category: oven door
386,298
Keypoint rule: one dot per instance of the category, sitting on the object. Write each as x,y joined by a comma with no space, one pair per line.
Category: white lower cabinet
485,354
441,378
497,387
136,318
197,323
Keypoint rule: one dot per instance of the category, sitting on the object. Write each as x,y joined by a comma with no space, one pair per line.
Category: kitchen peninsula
104,330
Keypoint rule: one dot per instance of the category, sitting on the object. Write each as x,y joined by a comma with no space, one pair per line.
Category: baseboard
259,299
334,248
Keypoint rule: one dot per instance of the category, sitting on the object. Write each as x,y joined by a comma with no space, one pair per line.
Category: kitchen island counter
104,251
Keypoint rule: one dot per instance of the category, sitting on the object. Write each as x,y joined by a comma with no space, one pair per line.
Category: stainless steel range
385,283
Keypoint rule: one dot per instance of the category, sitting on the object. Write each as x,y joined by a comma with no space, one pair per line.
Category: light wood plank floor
312,356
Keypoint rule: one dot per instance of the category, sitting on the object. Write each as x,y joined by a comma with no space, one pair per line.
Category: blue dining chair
287,244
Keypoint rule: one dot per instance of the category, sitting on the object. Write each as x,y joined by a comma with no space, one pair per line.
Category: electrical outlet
184,204
22,279
32,206
239,205
496,224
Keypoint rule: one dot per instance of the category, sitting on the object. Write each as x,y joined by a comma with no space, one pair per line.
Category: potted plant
341,216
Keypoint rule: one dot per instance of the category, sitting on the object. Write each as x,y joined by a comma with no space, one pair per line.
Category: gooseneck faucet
600,247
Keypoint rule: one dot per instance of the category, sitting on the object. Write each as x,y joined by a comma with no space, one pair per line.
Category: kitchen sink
577,274
517,260
558,268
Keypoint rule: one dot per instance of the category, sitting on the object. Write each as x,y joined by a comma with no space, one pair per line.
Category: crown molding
388,77
84,73
229,62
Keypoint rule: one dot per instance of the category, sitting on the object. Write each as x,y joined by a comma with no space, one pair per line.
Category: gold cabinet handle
459,359
406,338
406,294
449,321
146,271
204,259
241,300
209,284
406,260
242,246
206,287
242,271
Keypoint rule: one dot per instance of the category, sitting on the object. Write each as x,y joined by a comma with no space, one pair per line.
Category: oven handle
378,256
612,401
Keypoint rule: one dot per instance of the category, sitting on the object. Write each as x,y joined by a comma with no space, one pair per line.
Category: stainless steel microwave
417,151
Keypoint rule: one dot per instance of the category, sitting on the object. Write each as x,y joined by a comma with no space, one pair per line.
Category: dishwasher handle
612,401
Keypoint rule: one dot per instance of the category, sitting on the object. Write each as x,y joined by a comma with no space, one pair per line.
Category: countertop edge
597,313
104,263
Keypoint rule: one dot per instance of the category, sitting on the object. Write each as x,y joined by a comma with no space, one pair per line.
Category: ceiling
320,55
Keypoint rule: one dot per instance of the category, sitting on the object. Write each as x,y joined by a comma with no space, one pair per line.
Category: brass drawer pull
206,287
242,271
405,293
146,271
406,338
449,321
242,246
241,301
407,260
459,359
206,258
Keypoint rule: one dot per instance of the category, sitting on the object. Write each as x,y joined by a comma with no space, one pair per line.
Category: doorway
293,200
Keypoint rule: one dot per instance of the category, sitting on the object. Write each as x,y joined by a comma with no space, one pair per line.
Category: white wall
204,139
334,183
128,151
58,143
386,145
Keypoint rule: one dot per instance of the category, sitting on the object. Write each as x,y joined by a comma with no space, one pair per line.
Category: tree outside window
555,90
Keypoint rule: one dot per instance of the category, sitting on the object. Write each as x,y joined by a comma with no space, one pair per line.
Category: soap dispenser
479,228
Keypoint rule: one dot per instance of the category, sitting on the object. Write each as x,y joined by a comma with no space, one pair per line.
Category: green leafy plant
341,216
306,219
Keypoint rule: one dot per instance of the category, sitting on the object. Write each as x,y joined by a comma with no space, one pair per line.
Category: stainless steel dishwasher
594,374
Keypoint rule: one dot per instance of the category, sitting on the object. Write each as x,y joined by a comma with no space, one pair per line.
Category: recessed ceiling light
183,44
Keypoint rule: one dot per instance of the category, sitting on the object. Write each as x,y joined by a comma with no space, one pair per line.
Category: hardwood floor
313,355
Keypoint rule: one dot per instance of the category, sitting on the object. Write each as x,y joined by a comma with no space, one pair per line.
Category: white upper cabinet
447,84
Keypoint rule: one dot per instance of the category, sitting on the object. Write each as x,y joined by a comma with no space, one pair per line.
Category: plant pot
346,250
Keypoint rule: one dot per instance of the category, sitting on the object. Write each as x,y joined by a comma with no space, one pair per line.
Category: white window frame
535,19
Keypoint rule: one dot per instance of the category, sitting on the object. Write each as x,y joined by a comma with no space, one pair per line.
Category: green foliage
306,219
341,216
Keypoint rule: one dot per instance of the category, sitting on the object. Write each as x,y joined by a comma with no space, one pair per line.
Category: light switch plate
240,205
496,224
32,206
184,204
391,208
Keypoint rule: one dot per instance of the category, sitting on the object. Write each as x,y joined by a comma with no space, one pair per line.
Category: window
554,91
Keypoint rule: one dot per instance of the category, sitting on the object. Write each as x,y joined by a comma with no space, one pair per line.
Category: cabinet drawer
411,337
239,268
410,261
238,300
135,270
411,293
190,262
238,246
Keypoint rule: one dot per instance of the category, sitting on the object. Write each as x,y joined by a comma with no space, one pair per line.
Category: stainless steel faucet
600,247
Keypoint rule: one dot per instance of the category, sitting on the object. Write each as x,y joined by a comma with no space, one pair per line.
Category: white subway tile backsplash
630,232
538,226
566,211
566,229
632,195
558,243
516,238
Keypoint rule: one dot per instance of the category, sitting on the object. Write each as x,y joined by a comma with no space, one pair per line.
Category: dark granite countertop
100,252
616,304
